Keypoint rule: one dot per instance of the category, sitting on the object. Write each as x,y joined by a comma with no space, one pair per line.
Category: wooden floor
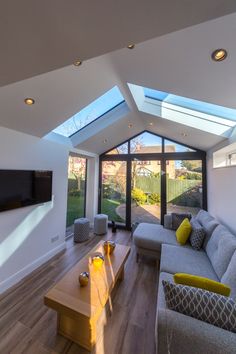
29,327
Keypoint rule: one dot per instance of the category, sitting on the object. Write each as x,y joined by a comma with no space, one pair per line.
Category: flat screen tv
20,188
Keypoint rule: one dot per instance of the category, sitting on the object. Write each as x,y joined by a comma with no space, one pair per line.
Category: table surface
90,300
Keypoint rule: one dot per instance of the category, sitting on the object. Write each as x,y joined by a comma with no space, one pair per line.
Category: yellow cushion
183,232
203,283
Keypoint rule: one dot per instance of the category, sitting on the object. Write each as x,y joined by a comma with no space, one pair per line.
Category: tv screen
20,188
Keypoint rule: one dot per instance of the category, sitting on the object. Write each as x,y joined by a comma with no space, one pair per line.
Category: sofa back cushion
229,278
220,249
208,223
177,219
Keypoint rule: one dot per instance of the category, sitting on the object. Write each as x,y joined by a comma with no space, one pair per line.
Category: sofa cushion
197,235
161,302
220,249
176,259
183,232
204,305
151,236
229,278
202,282
208,223
177,219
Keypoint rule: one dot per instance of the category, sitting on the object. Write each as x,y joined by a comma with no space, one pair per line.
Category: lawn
75,209
109,207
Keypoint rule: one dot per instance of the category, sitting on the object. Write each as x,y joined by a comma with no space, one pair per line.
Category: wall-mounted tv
20,188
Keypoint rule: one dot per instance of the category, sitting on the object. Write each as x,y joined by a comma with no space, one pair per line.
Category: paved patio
151,213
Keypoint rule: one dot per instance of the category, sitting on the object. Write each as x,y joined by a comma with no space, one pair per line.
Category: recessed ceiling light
151,123
77,63
219,54
131,46
104,141
130,125
29,101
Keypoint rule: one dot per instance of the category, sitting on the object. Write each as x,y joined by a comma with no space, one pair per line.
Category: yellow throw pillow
203,283
183,232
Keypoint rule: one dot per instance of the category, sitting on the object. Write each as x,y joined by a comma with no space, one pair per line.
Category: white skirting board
15,278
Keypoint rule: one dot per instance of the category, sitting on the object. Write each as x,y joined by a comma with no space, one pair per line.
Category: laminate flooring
27,326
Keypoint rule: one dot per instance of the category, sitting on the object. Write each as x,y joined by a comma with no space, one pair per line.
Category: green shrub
154,198
138,196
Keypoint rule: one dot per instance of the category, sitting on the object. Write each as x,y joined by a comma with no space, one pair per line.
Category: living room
146,109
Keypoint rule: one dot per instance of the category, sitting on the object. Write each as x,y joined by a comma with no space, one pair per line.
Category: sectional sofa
177,333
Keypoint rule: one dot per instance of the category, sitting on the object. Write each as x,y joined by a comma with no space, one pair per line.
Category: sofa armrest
168,221
181,334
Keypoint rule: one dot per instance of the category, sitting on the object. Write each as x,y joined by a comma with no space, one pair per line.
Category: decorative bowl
98,260
84,278
109,247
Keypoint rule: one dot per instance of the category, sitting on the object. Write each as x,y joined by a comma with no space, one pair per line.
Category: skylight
200,106
90,113
204,116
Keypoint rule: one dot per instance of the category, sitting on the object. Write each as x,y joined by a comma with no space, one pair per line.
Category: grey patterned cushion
177,219
204,305
197,235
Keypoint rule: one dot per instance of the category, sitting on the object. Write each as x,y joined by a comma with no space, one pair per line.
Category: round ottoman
100,224
81,229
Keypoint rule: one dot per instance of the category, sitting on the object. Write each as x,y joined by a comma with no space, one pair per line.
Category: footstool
81,229
100,224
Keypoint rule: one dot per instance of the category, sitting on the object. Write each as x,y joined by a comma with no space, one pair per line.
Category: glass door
184,186
76,197
113,190
145,191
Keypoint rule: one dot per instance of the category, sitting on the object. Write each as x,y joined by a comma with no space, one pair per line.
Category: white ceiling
40,36
177,62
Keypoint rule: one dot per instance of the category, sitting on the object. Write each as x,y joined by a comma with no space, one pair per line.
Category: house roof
172,54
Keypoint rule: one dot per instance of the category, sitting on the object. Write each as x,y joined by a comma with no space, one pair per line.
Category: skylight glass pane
146,143
90,113
195,105
171,146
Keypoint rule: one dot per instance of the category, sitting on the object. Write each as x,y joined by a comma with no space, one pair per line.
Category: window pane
184,186
170,146
146,143
122,149
76,189
113,194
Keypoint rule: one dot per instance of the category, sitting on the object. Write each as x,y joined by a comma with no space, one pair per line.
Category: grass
75,209
109,207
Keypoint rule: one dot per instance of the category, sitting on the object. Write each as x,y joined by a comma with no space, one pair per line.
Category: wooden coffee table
82,311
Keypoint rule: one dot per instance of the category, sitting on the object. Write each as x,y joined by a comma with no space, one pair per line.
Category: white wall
26,233
222,192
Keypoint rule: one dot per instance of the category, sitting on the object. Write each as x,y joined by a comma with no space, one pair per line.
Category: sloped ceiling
177,62
39,36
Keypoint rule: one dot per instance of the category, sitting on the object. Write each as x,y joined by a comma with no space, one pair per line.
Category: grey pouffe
100,224
81,229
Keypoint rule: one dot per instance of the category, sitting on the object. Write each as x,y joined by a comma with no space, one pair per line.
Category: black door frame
162,157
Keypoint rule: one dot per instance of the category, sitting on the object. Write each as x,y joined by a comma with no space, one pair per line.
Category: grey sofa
177,333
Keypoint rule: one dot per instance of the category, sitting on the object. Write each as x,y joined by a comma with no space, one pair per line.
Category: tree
77,167
192,165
